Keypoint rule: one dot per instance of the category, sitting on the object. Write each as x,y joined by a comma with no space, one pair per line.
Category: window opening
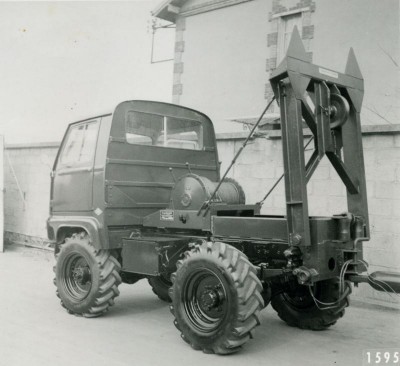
285,29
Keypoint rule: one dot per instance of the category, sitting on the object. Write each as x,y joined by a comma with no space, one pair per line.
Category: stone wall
27,190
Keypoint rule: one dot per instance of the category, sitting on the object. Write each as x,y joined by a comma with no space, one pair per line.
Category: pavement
138,330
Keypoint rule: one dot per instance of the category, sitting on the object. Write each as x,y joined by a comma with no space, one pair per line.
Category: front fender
90,224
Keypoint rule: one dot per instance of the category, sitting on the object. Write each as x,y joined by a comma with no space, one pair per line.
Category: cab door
73,173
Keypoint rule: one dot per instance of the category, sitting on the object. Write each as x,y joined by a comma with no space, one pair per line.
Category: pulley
339,110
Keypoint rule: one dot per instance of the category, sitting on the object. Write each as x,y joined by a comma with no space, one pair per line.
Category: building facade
225,51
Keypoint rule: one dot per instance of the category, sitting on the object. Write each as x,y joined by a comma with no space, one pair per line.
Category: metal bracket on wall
155,27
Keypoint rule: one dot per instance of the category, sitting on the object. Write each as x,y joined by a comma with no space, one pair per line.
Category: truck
137,194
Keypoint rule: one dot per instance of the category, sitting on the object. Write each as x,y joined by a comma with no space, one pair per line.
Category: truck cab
114,169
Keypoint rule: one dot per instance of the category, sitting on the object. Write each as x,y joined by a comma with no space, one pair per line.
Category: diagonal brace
341,169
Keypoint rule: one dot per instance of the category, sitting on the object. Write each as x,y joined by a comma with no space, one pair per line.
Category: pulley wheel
339,110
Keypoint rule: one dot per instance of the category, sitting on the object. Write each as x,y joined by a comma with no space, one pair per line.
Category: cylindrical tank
192,190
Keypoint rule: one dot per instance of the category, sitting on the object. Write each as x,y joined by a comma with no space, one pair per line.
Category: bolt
296,239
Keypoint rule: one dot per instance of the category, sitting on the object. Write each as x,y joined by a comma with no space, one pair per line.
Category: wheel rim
205,300
77,277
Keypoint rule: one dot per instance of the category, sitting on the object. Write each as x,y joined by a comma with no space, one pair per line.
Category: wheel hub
77,276
81,275
211,298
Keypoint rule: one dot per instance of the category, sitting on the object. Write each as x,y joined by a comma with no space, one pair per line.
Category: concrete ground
35,330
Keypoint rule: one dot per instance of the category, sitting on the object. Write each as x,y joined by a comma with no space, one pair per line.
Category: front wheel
216,298
316,310
87,279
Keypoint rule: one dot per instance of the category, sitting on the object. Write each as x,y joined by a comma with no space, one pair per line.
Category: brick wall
257,169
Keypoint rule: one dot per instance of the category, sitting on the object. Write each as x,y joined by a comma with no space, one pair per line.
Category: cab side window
80,144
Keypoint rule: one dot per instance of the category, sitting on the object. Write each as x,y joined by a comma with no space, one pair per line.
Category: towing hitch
380,280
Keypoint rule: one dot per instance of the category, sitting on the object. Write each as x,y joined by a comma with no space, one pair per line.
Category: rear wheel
87,279
216,298
299,309
161,285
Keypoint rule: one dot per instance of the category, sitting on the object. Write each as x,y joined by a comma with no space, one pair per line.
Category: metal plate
140,256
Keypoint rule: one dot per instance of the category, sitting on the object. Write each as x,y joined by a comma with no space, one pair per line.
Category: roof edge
167,10
170,9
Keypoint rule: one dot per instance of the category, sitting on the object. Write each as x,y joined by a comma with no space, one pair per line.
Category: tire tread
314,319
110,279
248,287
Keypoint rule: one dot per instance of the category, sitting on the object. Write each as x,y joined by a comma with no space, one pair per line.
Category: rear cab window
157,130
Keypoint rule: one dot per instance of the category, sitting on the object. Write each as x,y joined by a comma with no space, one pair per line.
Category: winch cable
280,178
207,203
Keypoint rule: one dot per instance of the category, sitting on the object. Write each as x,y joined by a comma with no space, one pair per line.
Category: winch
192,190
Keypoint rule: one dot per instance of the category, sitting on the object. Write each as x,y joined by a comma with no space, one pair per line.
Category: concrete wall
2,196
27,192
